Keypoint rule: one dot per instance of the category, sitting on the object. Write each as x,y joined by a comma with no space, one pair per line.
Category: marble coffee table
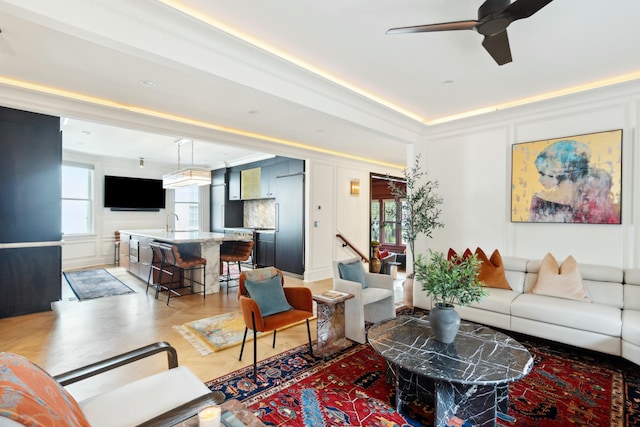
467,379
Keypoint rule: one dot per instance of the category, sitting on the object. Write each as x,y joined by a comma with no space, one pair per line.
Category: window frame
90,200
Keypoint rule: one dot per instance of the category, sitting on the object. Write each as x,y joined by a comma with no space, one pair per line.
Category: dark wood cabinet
281,179
30,212
225,212
270,181
265,249
290,219
234,185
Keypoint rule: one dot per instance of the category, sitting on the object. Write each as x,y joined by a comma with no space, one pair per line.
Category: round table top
478,355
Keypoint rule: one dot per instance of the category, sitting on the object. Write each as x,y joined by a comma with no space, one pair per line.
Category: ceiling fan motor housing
491,20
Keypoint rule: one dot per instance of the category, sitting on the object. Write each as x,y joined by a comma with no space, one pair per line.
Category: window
187,206
386,224
77,198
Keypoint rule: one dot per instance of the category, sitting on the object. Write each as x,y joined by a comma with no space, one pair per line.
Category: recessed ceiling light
86,132
447,82
148,83
254,112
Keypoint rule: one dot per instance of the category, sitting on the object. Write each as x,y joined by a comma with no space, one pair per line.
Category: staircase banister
347,243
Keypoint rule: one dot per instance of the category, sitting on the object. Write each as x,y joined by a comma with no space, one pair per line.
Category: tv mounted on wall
133,194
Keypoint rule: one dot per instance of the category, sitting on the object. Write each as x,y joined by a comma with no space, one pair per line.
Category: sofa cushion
497,300
631,326
631,296
492,270
32,397
370,295
598,318
269,295
353,272
563,281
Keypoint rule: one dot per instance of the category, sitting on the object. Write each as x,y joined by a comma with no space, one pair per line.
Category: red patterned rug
566,387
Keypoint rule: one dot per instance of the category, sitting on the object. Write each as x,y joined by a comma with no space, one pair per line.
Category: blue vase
445,322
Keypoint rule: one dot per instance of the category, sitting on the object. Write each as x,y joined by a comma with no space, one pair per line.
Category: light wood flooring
76,333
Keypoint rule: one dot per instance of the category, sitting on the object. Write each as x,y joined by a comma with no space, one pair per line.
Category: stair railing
347,243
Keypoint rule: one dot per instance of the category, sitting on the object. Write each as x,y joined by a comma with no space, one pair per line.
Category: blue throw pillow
353,272
269,295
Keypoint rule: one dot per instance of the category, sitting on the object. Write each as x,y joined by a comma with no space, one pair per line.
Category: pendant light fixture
187,176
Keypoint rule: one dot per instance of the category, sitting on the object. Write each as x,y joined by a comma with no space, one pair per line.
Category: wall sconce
355,187
141,162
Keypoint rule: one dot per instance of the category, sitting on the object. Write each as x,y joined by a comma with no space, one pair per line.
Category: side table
331,337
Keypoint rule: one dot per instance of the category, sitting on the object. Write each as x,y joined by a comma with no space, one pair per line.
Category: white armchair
372,303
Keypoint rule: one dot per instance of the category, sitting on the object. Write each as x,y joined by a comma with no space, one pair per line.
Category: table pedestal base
455,404
331,338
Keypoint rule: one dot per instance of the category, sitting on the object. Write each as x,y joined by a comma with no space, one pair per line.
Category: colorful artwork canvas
576,179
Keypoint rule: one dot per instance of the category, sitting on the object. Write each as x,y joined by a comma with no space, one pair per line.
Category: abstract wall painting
576,179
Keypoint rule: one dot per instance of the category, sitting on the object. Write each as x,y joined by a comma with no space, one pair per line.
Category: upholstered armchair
267,305
373,296
31,396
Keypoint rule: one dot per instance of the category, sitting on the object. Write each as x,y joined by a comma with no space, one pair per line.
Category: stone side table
331,337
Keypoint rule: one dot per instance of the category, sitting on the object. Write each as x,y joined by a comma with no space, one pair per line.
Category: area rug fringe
200,346
215,333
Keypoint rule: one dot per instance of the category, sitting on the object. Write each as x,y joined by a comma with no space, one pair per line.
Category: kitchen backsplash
260,213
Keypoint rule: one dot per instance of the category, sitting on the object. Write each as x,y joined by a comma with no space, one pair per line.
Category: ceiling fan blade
498,47
445,26
525,8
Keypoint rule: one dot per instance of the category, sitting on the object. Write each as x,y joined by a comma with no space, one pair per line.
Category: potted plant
420,214
448,282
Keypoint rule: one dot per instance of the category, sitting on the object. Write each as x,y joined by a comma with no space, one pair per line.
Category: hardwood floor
76,333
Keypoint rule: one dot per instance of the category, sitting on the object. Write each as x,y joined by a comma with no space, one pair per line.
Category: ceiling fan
494,16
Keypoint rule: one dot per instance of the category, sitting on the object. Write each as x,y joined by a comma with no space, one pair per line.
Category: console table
467,379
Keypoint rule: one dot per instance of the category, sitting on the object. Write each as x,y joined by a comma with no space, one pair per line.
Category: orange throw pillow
32,397
562,281
492,270
452,254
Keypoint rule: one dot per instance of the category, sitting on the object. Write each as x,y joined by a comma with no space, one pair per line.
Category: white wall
471,160
331,210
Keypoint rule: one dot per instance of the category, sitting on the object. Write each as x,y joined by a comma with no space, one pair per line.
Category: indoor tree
420,206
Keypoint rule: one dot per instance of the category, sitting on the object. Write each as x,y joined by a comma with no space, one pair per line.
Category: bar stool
155,272
236,252
175,266
116,255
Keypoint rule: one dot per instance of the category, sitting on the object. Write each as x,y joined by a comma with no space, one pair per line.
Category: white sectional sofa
610,323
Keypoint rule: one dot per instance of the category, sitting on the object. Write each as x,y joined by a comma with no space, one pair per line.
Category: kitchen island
136,254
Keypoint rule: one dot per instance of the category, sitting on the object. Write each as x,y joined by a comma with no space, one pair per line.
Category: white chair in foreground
31,396
373,299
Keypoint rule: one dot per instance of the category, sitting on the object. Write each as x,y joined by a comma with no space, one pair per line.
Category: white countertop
181,236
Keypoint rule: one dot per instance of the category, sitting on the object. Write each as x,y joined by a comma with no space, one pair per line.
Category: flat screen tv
133,194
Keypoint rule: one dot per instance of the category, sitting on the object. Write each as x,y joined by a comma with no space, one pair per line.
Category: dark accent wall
30,211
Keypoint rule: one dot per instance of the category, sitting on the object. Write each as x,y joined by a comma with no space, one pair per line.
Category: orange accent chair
298,298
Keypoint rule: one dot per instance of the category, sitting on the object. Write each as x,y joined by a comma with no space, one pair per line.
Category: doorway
385,215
